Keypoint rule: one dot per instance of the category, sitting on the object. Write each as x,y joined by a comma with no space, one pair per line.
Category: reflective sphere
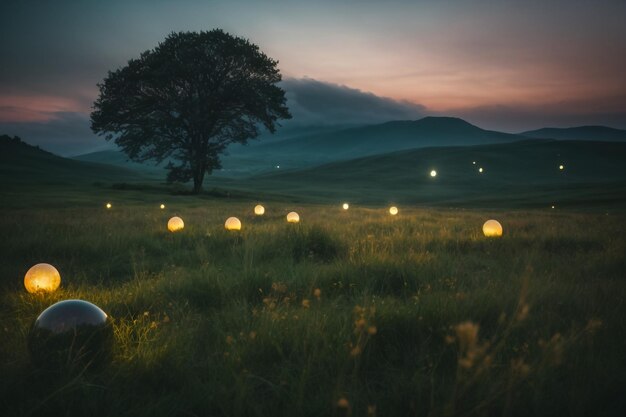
492,228
71,335
393,210
293,217
259,210
42,278
175,224
232,223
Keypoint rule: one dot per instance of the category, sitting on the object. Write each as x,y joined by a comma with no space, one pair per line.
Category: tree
189,98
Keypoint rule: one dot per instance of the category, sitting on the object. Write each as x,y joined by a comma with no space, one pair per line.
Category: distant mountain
601,133
23,163
307,150
395,135
524,173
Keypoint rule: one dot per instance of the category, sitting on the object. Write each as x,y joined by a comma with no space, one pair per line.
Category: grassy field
347,313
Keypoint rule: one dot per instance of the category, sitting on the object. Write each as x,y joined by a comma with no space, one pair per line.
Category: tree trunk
198,178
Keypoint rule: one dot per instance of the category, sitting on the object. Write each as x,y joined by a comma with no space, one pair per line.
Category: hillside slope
600,133
22,163
524,173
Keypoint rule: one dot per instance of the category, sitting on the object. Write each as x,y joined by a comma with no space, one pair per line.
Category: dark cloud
311,102
315,102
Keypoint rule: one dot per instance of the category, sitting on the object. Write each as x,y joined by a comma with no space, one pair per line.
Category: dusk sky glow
509,65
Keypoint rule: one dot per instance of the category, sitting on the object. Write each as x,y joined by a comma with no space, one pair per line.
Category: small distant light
473,162
162,206
346,206
277,166
108,205
480,170
393,210
552,206
433,173
561,167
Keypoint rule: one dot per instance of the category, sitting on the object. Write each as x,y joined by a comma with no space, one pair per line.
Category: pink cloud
20,109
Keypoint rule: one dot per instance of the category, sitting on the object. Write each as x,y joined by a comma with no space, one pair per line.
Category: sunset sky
506,65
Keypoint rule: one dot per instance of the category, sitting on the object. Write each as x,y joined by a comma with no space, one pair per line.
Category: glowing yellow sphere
393,210
232,223
259,210
492,228
42,278
162,206
175,224
293,217
108,205
433,173
480,170
346,206
561,167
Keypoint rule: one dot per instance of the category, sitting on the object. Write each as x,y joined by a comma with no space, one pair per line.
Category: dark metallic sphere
71,335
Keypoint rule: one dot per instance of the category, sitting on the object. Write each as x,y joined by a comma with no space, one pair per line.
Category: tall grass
347,313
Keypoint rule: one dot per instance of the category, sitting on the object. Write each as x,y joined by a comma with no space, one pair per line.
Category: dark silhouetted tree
189,98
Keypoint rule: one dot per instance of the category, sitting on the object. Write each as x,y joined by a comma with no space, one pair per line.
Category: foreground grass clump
346,313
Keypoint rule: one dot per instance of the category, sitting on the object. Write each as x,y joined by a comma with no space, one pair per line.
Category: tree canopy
189,98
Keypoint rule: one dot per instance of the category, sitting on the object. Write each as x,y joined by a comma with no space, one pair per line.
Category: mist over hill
348,143
295,147
523,173
601,133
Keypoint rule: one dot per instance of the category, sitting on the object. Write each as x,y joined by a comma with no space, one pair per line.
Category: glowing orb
71,335
259,210
346,206
561,167
108,205
393,210
293,217
473,162
492,228
433,173
480,170
162,206
175,224
42,278
552,206
232,223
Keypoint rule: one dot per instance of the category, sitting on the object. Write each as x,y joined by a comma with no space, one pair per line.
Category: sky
505,65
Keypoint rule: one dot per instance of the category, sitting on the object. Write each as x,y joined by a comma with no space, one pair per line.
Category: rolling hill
348,143
296,148
601,133
22,163
387,137
119,159
524,173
